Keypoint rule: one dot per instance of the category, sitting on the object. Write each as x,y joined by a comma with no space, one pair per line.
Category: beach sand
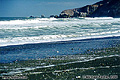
90,59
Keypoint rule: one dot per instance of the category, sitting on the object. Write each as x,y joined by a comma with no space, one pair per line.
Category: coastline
78,44
95,62
70,59
43,50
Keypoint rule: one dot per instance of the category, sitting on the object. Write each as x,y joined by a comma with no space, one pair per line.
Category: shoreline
97,61
66,41
94,63
44,50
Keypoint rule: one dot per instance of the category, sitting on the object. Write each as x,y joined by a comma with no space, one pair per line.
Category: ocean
23,38
17,31
59,48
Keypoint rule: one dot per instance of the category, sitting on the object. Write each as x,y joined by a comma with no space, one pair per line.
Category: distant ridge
105,8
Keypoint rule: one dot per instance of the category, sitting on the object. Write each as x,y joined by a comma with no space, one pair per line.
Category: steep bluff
105,8
110,9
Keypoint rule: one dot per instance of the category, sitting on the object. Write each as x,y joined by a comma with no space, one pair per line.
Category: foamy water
39,30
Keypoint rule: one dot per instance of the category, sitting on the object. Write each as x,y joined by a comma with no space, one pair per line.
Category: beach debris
57,51
71,48
78,77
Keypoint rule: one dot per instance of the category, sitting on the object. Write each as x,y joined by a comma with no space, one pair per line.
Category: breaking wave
41,30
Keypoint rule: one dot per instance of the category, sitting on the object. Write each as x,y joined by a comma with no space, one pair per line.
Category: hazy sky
25,8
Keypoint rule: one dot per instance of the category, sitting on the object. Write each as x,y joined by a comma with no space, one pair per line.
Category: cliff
110,9
105,8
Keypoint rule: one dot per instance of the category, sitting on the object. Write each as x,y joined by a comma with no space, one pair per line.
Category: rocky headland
104,8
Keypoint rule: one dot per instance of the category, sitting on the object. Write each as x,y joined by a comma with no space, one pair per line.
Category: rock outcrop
110,9
105,8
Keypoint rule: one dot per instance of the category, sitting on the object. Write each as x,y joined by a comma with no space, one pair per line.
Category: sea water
39,30
16,33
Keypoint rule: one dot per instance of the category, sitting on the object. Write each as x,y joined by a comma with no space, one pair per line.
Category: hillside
105,8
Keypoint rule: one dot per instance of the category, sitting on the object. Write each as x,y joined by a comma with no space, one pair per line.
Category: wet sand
101,61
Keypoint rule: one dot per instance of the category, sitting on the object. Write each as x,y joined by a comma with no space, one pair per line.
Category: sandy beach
43,50
79,59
